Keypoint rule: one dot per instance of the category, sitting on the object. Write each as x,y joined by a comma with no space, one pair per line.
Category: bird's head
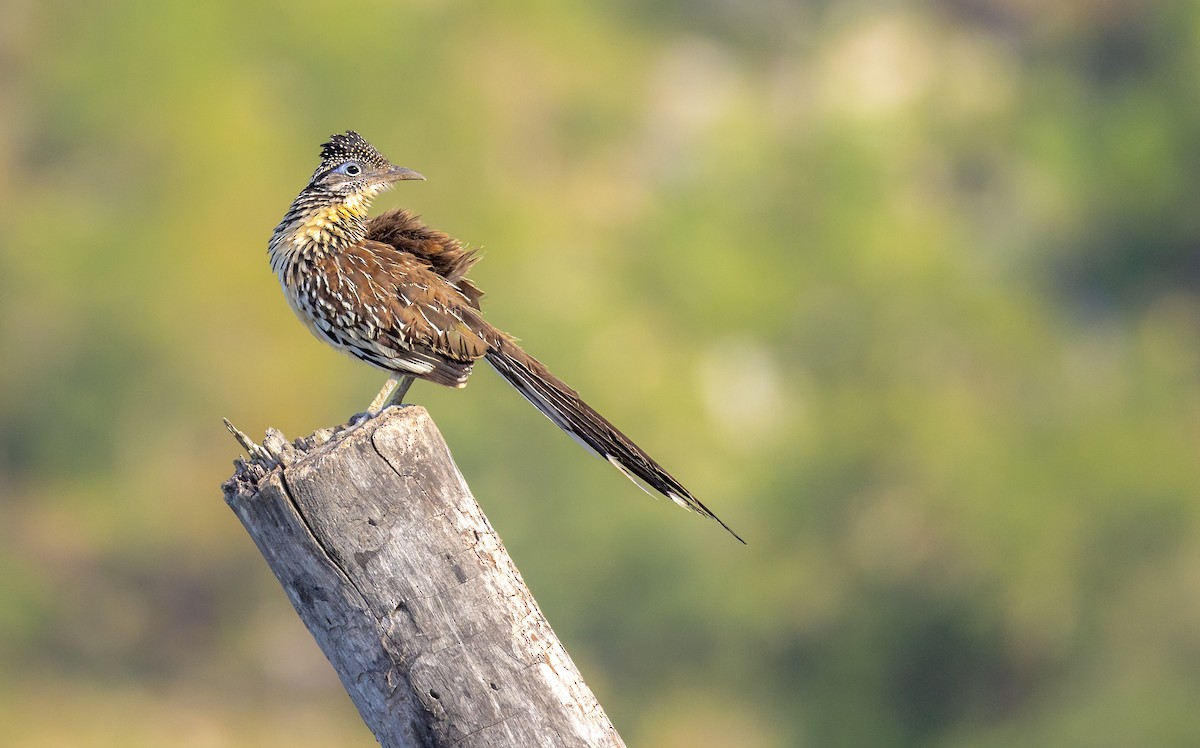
351,168
331,211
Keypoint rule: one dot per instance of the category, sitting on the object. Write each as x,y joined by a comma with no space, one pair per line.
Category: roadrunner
393,292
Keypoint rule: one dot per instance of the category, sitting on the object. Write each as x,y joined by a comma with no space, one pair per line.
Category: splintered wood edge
276,449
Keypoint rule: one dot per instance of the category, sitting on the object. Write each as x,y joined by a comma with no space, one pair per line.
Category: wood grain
402,581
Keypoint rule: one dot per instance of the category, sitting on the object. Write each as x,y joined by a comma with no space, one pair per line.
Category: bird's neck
317,225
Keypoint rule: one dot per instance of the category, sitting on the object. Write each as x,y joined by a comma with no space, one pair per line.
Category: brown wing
413,320
444,254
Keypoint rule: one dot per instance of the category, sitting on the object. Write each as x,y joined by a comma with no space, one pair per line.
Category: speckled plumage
394,293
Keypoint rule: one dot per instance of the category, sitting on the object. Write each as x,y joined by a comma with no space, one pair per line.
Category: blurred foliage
909,293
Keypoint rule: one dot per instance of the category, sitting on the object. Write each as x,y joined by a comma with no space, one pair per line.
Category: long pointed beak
399,173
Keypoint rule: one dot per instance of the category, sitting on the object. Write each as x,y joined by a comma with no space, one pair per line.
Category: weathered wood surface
390,562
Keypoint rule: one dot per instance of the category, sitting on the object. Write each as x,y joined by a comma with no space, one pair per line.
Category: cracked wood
386,556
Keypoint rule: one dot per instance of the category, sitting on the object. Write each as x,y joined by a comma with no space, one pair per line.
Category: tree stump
401,579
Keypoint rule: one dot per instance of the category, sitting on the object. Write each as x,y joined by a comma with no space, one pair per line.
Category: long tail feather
564,407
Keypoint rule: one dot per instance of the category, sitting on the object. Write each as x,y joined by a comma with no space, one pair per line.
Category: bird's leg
392,393
401,390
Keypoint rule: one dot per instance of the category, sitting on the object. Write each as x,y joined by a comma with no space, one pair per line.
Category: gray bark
407,589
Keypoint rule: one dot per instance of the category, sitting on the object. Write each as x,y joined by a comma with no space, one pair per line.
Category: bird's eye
351,169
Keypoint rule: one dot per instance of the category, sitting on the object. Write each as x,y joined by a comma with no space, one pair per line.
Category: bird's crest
349,146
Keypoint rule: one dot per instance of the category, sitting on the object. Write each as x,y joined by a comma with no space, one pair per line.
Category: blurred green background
908,293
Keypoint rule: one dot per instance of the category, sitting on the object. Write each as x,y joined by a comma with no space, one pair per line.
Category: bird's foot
392,394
